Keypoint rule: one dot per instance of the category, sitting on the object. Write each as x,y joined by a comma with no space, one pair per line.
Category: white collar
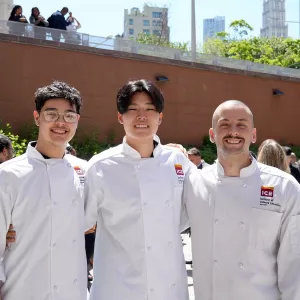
128,150
33,153
245,172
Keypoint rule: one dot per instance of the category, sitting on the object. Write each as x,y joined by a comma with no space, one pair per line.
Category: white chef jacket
137,203
245,233
42,198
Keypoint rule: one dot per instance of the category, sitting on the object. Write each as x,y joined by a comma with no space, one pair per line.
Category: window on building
156,15
147,31
130,21
156,32
146,22
131,31
157,23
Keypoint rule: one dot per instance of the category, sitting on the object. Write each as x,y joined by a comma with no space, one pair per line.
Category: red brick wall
191,94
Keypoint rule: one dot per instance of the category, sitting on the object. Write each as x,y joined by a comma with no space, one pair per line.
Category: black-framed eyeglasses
53,116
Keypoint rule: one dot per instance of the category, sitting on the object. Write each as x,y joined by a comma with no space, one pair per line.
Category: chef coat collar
245,172
128,150
33,153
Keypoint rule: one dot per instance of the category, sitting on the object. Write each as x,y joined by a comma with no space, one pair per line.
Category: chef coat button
152,290
241,265
149,248
242,224
145,203
54,245
173,285
216,263
170,244
55,287
74,201
54,203
167,202
217,221
74,242
75,281
245,185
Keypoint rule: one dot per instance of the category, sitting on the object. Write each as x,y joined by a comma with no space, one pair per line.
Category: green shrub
87,146
19,144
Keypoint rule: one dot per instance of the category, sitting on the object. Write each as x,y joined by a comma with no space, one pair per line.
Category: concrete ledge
145,58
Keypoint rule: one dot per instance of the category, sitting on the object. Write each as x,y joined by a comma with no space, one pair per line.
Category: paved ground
188,256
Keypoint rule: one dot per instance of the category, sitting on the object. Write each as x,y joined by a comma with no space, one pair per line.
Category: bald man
245,218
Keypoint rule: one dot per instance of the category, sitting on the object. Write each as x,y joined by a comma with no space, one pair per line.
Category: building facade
5,9
274,22
152,20
213,26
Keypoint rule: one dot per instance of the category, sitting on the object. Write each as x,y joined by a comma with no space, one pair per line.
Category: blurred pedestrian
272,154
6,149
17,16
72,36
195,157
40,22
293,168
58,22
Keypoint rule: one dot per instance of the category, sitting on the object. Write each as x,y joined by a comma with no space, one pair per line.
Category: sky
105,18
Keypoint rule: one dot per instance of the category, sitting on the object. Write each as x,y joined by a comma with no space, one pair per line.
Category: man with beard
245,218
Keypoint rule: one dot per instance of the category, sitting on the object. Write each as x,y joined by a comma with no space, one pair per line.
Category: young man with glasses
40,194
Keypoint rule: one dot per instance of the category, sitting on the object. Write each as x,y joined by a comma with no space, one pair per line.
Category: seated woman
39,21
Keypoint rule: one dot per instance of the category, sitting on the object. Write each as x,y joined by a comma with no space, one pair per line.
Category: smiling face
141,120
233,129
57,133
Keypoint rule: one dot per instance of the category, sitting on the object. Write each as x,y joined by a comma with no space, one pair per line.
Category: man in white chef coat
134,192
41,196
245,218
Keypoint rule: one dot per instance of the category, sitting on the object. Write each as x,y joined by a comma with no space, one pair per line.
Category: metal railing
130,46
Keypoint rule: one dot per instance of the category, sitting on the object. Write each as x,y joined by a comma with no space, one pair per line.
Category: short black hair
288,151
5,142
126,92
194,151
58,90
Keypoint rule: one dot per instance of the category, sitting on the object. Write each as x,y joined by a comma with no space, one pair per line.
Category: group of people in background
56,21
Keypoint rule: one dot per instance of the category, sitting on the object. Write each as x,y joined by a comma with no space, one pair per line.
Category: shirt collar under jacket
33,153
245,172
133,153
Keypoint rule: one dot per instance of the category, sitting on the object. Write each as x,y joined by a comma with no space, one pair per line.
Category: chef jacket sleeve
184,219
288,258
93,195
5,220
